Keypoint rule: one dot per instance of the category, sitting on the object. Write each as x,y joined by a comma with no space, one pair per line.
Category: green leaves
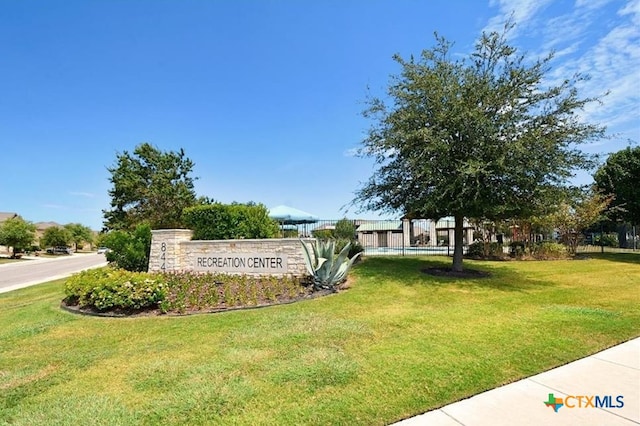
56,236
619,176
326,269
149,186
489,135
129,249
112,289
79,233
219,221
17,233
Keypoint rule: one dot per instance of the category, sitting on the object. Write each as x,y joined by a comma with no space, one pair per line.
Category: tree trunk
458,241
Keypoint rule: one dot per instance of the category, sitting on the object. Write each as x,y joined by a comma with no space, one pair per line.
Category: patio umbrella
289,216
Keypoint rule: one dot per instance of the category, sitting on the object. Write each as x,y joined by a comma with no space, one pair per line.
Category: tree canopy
487,136
79,233
620,176
17,233
149,186
55,236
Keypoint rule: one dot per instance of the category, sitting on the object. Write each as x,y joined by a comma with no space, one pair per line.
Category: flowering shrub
109,288
193,291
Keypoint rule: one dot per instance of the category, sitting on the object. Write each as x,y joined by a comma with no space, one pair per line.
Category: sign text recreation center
241,262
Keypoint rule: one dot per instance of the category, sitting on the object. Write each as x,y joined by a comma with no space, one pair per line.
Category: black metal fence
419,237
424,237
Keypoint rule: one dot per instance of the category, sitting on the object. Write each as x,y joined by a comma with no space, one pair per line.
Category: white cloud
613,63
632,8
591,4
523,12
82,194
598,38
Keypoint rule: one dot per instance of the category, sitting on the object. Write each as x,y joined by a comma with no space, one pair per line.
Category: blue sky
264,96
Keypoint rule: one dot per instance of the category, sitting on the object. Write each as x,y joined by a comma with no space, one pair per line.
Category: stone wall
173,250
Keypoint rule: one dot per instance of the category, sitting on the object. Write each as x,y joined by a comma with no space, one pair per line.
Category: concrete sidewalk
614,373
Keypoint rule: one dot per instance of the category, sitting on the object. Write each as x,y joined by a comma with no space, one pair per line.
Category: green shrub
476,249
289,233
129,250
517,248
354,248
549,250
344,232
482,250
607,240
230,221
110,288
322,234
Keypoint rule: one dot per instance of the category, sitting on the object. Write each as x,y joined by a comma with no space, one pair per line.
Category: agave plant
327,269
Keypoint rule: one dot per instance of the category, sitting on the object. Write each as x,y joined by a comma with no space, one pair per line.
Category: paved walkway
614,373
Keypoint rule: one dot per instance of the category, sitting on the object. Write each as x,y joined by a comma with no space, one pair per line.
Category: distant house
387,233
6,216
410,233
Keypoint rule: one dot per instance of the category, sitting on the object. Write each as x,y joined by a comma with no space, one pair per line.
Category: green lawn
397,343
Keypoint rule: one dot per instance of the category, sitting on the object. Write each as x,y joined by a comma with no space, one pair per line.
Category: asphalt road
25,273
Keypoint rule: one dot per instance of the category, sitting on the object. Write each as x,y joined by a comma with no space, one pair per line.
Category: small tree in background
18,234
573,217
345,229
344,232
56,236
79,234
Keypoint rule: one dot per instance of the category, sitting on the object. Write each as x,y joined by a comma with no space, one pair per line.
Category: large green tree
483,136
56,236
149,186
17,233
620,176
79,233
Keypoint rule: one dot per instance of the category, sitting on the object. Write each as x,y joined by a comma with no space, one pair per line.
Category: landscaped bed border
156,312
